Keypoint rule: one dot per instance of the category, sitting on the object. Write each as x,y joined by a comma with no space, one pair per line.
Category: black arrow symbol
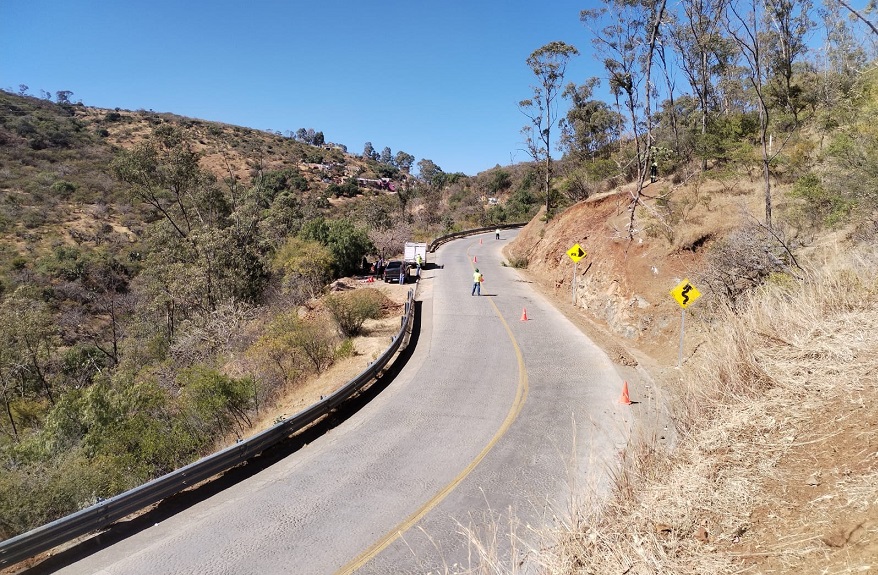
685,293
579,253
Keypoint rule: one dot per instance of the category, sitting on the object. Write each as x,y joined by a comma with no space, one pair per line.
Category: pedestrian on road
497,233
402,274
478,278
420,261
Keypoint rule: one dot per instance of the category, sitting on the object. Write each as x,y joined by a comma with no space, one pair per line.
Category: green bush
347,242
63,188
217,400
821,205
345,349
37,494
346,190
351,310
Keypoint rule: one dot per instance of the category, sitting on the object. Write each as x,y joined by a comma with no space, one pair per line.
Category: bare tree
859,15
549,64
749,31
628,45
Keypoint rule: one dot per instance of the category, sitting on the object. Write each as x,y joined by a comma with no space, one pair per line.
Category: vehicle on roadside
392,271
413,251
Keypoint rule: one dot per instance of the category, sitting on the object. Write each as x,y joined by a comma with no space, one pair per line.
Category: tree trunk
32,351
547,182
766,161
703,98
643,156
9,414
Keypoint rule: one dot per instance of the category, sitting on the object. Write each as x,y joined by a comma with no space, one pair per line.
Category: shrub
315,342
306,267
346,190
217,400
63,188
289,346
821,204
351,310
518,261
345,349
741,262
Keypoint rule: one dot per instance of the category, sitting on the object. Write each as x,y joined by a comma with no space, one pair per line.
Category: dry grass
777,460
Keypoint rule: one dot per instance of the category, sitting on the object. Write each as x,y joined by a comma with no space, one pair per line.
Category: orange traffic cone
524,314
625,399
475,259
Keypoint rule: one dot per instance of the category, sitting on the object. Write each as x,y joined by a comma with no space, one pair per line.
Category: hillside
760,454
170,284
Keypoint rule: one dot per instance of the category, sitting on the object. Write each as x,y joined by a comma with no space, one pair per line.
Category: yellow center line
517,405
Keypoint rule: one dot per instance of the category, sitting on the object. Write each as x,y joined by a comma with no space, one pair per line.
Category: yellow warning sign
576,253
685,293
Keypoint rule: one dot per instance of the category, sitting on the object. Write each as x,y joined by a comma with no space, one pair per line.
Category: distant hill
152,272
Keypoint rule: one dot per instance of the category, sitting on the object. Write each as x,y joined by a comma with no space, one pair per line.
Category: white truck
412,251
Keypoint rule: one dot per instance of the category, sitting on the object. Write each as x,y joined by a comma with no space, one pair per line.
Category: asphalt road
492,422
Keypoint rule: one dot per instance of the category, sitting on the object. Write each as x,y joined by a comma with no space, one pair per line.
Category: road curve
489,420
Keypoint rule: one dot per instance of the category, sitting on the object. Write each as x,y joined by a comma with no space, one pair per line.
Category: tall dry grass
751,396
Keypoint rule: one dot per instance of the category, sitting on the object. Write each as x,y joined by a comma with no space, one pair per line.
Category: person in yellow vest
478,278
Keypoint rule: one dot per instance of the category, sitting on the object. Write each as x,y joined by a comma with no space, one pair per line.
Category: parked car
392,270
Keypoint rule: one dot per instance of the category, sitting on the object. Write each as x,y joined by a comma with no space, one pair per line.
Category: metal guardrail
106,512
447,238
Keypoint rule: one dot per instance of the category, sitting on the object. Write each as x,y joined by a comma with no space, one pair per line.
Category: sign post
685,293
576,253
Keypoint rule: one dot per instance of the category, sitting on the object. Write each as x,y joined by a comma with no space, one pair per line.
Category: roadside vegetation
761,455
773,467
165,279
163,283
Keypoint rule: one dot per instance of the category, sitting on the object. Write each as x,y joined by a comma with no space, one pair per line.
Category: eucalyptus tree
28,341
703,53
845,56
788,23
591,125
625,35
430,173
759,28
199,252
404,161
870,8
369,152
549,65
386,156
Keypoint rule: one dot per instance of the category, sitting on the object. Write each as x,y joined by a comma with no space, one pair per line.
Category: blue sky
439,80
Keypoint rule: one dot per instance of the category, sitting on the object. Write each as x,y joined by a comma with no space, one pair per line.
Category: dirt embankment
774,475
622,284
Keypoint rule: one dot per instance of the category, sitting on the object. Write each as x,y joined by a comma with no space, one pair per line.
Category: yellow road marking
396,533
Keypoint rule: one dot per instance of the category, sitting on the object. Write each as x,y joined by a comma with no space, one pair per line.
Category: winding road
493,421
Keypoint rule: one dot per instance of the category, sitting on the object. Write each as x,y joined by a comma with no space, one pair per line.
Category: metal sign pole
574,283
682,329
